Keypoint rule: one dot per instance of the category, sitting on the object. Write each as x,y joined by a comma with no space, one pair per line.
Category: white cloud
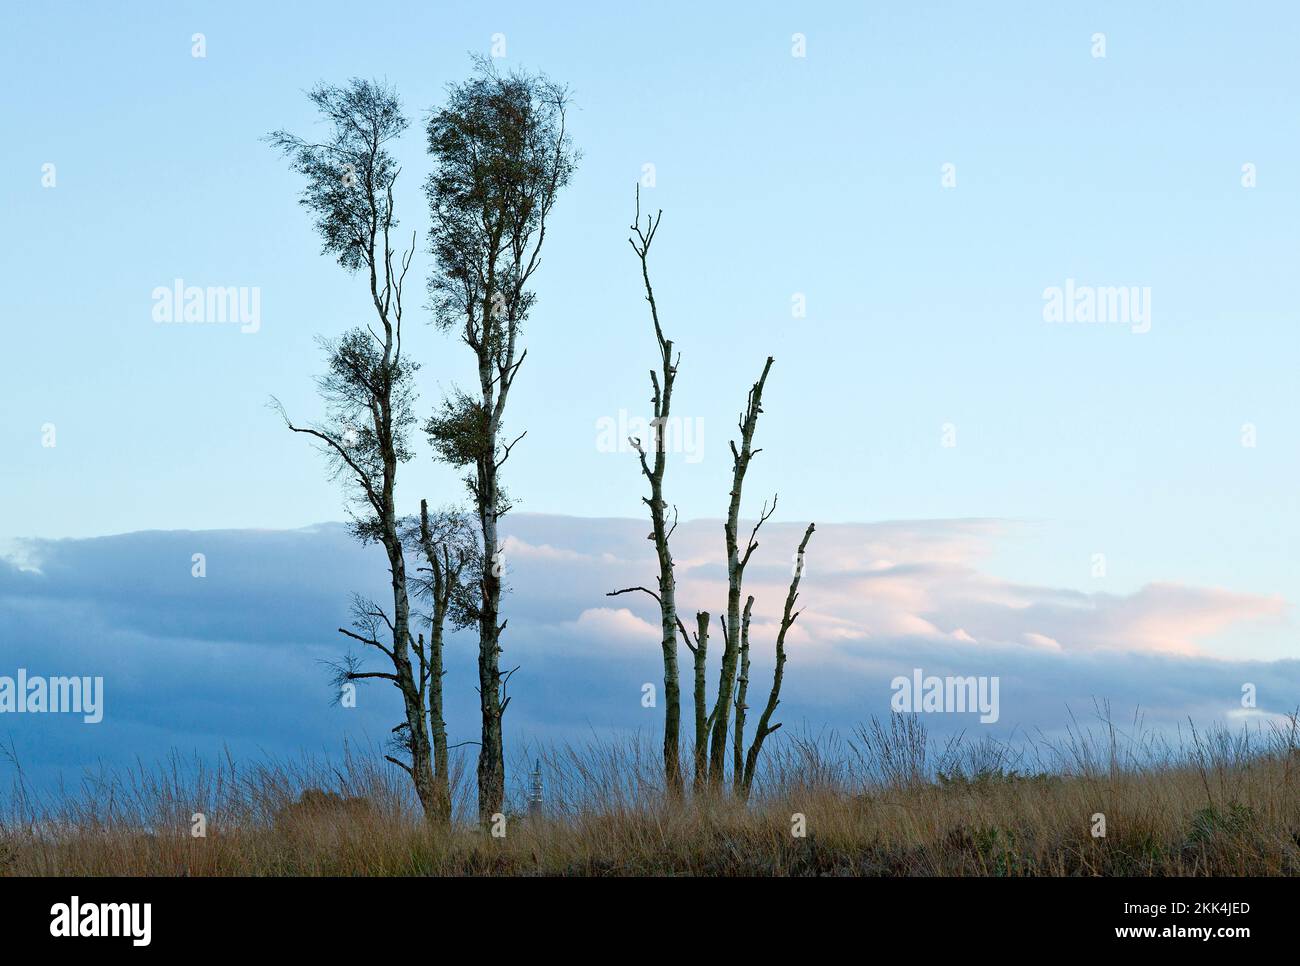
619,625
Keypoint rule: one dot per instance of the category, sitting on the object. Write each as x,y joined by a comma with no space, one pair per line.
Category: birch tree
736,562
745,779
652,468
368,386
501,155
733,683
713,728
449,545
700,655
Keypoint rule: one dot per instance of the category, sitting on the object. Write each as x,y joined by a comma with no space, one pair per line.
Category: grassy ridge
888,801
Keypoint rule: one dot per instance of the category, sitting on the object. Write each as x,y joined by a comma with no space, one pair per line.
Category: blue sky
778,175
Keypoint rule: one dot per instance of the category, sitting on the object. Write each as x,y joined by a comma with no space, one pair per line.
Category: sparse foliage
367,387
501,155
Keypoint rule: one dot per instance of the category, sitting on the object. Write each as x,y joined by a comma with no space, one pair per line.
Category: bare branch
365,640
629,590
788,617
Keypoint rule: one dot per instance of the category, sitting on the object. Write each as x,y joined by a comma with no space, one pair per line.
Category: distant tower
535,794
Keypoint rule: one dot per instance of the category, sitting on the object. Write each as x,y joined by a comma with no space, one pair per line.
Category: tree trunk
788,617
735,576
662,401
412,694
742,692
701,701
418,735
444,578
437,723
668,623
491,759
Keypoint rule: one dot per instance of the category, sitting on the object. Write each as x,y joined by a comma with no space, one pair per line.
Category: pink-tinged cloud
605,625
236,661
877,582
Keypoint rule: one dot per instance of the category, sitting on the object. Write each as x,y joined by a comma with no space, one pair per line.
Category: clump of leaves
1211,821
991,850
459,431
8,854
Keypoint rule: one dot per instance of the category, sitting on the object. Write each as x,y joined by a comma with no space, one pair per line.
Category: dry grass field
887,801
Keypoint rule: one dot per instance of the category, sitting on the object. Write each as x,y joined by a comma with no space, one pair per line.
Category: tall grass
889,799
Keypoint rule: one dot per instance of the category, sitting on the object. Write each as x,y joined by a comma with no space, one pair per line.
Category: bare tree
765,727
368,385
449,544
711,727
700,653
733,683
742,693
501,155
736,563
661,398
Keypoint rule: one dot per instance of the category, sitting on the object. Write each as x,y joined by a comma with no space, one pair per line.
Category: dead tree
450,549
736,563
765,727
661,398
501,155
700,653
368,385
742,692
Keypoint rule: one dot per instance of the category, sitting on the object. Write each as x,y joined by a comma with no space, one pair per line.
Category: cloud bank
236,659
